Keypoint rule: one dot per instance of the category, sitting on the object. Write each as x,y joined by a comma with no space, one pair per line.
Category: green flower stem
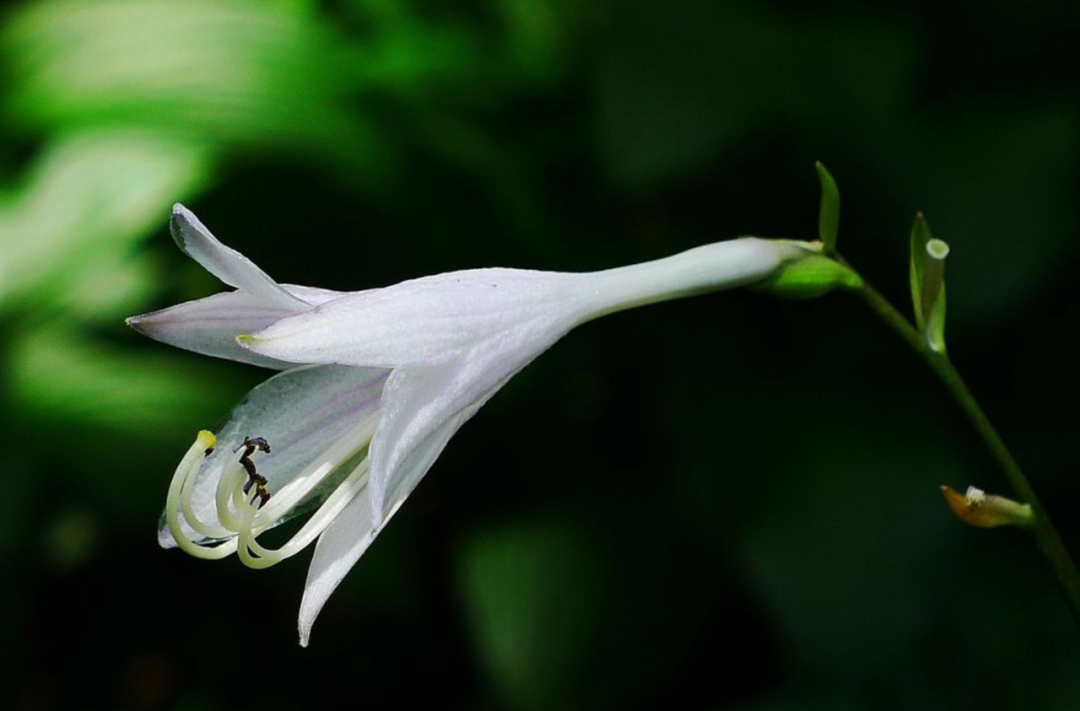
1046,536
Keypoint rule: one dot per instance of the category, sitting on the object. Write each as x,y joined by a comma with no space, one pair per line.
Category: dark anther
254,478
253,443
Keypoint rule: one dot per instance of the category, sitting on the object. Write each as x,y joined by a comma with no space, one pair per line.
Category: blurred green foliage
657,489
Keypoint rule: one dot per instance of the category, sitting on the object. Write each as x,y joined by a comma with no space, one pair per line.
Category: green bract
811,275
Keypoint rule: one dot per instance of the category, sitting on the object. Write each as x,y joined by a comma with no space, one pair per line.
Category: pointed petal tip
140,323
148,324
306,619
182,223
182,214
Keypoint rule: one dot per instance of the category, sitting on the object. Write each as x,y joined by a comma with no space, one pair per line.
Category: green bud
927,276
829,215
807,273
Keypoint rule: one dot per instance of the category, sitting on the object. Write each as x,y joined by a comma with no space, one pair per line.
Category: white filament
255,556
188,469
241,519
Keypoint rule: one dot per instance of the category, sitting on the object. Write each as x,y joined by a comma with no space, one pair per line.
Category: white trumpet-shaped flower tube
373,385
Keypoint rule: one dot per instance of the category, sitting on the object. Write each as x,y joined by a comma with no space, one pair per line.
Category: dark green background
728,475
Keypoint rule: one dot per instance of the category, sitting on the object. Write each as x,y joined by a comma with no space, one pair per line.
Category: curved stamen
230,523
228,485
254,555
294,492
187,470
187,507
241,520
233,482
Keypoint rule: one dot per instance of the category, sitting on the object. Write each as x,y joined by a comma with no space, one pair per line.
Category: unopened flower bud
982,510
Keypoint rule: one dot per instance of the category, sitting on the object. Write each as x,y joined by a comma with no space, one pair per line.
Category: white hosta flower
374,384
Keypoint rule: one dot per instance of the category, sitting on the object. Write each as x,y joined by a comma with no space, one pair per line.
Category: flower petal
424,406
226,263
435,319
210,326
301,413
338,549
424,321
422,409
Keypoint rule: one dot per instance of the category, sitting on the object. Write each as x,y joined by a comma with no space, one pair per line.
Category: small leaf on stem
829,216
920,237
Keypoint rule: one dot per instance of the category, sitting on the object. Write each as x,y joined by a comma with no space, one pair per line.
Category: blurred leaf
414,61
533,35
239,72
383,12
56,375
67,233
111,288
534,597
540,37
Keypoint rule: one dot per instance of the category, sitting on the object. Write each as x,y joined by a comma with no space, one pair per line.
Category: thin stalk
1046,536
